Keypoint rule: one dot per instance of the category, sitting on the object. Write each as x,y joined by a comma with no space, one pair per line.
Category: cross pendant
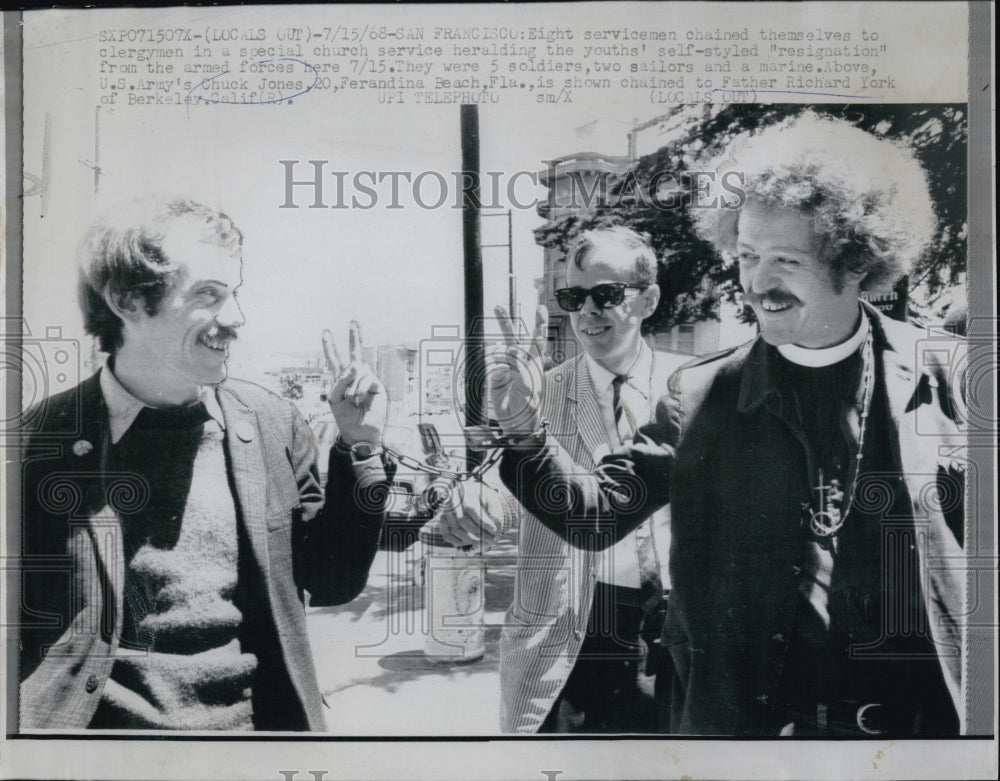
826,521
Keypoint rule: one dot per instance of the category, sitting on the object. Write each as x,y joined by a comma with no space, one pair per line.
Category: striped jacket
554,586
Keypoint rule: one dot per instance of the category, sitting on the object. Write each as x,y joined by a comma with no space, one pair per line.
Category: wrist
362,451
533,440
359,451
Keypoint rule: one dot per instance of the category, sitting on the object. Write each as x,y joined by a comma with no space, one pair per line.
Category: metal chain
469,474
448,474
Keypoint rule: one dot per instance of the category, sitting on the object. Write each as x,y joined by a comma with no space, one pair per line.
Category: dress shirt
620,564
123,407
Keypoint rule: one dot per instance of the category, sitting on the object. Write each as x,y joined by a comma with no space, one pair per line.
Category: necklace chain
824,524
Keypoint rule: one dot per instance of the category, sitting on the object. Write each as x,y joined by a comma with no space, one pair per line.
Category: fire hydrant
454,598
454,592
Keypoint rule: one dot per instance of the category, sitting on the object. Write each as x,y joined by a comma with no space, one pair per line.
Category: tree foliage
692,276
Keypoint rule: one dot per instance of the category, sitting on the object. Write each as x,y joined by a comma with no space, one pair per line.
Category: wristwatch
362,451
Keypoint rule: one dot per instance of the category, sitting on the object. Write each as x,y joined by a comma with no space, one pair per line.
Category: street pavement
370,660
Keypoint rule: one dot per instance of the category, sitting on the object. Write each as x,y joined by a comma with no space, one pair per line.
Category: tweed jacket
554,585
726,453
73,568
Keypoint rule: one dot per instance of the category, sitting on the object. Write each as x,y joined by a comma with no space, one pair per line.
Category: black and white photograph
576,390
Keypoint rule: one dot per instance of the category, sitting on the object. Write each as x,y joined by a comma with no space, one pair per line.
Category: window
684,338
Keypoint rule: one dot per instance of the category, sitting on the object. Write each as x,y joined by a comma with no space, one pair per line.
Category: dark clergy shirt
873,644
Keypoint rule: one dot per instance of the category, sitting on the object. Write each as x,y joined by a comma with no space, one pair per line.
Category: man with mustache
174,517
816,499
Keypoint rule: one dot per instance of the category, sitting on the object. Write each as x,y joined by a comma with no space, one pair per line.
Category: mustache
776,297
222,332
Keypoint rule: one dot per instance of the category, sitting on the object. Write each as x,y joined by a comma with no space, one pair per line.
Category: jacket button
762,699
778,638
91,685
577,634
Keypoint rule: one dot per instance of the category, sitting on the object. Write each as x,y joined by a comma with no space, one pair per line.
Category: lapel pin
82,447
244,430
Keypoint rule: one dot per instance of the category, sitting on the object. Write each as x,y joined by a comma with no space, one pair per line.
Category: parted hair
592,241
122,253
867,196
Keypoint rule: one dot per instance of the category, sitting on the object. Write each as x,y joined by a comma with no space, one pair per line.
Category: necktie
618,407
616,400
650,583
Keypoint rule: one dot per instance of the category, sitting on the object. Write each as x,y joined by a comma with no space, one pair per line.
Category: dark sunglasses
604,296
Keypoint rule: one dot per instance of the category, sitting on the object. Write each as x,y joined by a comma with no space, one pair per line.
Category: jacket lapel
249,471
908,390
586,414
90,454
943,583
900,384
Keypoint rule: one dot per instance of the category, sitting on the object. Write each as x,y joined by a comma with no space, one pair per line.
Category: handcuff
495,446
478,438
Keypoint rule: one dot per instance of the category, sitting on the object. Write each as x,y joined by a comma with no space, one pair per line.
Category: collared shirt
620,564
123,407
635,395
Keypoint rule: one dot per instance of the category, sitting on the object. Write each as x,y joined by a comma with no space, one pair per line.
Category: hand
472,515
516,378
357,397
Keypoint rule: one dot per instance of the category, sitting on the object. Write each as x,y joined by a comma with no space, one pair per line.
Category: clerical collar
123,407
826,356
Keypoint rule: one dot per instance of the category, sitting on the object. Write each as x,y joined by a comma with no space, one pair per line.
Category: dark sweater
181,663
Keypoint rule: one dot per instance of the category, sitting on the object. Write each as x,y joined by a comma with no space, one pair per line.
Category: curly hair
867,196
122,253
617,236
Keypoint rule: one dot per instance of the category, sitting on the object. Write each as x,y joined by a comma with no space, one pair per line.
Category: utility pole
511,279
475,354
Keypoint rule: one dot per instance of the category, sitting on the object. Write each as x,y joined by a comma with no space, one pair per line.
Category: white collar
826,356
123,407
641,368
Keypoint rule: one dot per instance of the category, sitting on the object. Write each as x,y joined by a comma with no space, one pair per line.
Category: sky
398,271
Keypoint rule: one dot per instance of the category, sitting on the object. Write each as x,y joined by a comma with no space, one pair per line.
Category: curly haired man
817,518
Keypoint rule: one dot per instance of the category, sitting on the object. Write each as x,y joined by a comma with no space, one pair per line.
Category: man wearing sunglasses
570,654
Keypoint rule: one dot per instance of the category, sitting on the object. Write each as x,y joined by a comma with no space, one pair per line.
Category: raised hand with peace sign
516,379
357,398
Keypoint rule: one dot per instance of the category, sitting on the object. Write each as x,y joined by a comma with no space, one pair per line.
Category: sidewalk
371,665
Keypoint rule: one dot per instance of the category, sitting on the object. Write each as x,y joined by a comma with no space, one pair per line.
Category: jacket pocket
282,518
